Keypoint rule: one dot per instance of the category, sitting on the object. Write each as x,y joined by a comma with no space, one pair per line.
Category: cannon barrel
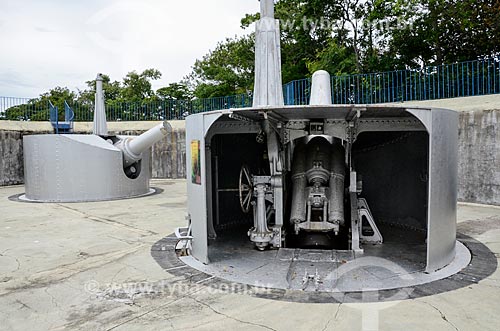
133,147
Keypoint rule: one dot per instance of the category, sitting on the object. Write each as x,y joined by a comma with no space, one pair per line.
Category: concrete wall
11,149
11,161
479,157
479,147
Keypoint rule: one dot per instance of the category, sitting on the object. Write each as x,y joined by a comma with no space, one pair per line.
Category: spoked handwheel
245,189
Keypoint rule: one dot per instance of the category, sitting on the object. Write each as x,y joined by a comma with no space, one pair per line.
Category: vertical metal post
473,81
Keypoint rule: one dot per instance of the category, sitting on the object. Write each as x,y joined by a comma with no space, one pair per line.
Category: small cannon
133,147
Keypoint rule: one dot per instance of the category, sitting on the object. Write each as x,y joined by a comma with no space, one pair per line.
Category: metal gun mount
320,184
77,168
325,177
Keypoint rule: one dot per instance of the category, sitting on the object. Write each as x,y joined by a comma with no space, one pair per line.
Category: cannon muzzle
133,147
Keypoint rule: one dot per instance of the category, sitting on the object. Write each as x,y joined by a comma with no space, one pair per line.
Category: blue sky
48,43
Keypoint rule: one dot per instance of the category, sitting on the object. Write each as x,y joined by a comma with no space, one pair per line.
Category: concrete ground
89,267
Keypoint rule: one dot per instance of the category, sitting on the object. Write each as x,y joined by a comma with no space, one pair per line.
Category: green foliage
137,87
35,110
335,59
304,34
227,70
38,109
175,91
131,99
442,31
340,36
57,96
357,36
112,91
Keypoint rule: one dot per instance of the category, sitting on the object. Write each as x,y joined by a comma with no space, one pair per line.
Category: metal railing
54,116
69,117
159,110
23,109
462,79
297,92
66,123
473,78
172,109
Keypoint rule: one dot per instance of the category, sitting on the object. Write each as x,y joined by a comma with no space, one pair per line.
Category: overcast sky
48,43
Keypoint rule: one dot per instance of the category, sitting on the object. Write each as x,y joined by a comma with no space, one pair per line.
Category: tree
174,91
112,91
334,58
132,98
447,31
305,30
340,36
360,36
227,70
137,87
38,109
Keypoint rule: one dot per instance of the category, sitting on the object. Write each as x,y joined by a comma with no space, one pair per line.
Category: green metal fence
465,79
24,109
159,110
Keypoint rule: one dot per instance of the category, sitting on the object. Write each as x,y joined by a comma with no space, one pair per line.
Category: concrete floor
89,267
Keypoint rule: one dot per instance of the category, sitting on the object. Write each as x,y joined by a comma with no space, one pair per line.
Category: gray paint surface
198,127
78,168
341,271
478,167
442,126
268,89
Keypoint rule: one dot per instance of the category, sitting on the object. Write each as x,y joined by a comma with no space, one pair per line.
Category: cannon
97,167
133,147
277,190
318,173
79,168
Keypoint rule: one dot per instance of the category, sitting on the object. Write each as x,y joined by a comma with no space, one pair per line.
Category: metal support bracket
185,238
364,211
355,220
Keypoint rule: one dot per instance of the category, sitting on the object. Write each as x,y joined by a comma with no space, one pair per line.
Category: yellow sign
195,162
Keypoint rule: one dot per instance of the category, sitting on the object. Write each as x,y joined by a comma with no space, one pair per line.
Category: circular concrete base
373,277
22,198
328,271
